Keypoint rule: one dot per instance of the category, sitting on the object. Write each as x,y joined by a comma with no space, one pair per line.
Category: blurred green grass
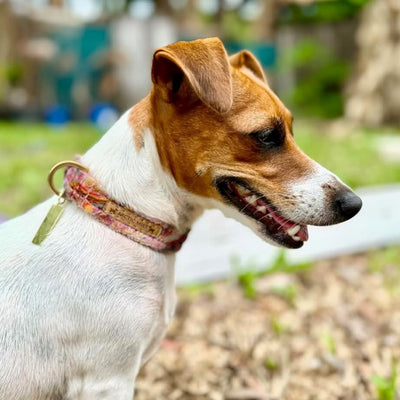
351,153
29,150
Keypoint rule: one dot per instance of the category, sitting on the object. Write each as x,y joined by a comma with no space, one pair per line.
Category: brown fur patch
196,144
140,119
204,64
246,62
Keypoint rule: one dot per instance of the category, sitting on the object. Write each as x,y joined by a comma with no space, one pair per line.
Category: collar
82,189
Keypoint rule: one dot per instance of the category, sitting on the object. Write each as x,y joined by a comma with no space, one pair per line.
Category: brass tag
48,223
128,217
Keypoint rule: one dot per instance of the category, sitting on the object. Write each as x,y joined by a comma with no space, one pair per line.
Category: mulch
318,334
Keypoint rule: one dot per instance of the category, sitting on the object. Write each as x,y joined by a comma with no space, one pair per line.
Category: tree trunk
7,45
373,93
267,23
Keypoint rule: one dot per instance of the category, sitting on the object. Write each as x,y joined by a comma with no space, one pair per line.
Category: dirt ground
321,334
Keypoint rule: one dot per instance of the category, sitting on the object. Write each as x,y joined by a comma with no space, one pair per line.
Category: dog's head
223,134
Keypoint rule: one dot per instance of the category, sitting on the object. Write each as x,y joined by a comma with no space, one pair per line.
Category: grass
278,327
380,260
329,343
247,280
352,156
271,364
28,150
247,275
287,293
386,387
387,263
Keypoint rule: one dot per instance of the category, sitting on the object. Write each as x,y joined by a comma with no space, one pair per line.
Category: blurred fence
56,64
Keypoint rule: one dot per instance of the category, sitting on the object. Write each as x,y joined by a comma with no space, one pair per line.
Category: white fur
313,200
81,313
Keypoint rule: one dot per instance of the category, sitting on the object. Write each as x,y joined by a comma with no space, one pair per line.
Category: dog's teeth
262,209
293,230
241,190
251,199
295,238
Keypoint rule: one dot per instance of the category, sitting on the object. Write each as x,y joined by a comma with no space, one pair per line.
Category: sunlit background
62,58
334,63
69,68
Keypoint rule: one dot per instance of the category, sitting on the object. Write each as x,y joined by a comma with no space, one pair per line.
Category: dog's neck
135,177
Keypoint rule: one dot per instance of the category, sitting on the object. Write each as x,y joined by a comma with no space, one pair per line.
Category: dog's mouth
255,205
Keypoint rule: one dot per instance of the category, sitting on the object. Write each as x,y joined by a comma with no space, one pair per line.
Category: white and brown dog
82,311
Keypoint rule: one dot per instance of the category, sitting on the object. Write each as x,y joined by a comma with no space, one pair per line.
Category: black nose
348,203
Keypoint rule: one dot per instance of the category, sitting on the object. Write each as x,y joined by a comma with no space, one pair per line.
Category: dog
85,306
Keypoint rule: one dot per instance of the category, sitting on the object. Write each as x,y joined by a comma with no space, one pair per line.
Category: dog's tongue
285,224
303,233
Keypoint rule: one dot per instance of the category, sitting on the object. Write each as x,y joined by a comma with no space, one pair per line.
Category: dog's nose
348,203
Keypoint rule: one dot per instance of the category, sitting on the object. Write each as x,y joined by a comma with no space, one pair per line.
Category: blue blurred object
57,114
103,115
265,52
80,61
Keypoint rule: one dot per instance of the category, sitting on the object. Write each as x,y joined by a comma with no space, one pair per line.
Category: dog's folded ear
245,59
205,65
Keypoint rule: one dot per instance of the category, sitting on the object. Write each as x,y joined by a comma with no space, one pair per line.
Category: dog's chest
128,299
107,301
128,322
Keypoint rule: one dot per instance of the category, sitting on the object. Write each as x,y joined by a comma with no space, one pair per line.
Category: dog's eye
269,137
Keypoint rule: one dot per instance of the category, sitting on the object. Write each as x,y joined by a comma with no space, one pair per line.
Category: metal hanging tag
50,220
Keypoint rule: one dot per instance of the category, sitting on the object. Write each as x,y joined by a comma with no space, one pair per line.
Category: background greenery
28,151
322,76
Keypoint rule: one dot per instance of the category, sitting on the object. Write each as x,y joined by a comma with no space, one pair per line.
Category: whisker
264,216
258,198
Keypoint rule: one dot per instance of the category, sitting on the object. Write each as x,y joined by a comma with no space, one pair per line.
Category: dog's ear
245,59
205,65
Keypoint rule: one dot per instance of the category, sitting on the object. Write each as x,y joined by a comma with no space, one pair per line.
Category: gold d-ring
57,167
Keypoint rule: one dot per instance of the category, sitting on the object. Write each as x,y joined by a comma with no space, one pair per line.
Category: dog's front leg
102,388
